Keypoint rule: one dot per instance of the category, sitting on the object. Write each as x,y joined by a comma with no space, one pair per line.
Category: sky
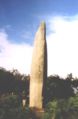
19,21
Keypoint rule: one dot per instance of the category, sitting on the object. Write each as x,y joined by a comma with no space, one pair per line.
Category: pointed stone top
41,33
42,25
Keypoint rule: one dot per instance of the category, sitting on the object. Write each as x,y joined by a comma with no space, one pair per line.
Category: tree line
12,82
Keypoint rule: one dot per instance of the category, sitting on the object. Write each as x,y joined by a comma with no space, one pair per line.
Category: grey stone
38,72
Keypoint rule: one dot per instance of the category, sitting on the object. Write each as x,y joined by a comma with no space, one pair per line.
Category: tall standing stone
38,73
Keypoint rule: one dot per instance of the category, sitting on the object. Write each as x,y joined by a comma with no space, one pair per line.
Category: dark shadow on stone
36,113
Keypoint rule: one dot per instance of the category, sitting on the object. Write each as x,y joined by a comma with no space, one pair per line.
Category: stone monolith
38,73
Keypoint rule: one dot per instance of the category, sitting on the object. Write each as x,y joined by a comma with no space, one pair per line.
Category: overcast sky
19,21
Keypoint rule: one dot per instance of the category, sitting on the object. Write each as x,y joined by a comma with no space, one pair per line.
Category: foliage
13,82
60,97
62,109
11,108
58,88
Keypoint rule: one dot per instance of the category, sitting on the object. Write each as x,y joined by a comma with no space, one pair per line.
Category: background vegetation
60,97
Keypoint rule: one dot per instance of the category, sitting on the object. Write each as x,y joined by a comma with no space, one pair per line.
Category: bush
62,109
11,108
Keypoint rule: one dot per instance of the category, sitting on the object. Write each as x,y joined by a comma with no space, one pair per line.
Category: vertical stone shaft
38,73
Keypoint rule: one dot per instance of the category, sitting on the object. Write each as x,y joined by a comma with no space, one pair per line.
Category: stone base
36,113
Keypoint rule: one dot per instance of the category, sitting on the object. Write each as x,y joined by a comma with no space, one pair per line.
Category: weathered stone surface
38,73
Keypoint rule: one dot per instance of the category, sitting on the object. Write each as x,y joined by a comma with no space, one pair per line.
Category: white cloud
17,56
62,42
63,45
